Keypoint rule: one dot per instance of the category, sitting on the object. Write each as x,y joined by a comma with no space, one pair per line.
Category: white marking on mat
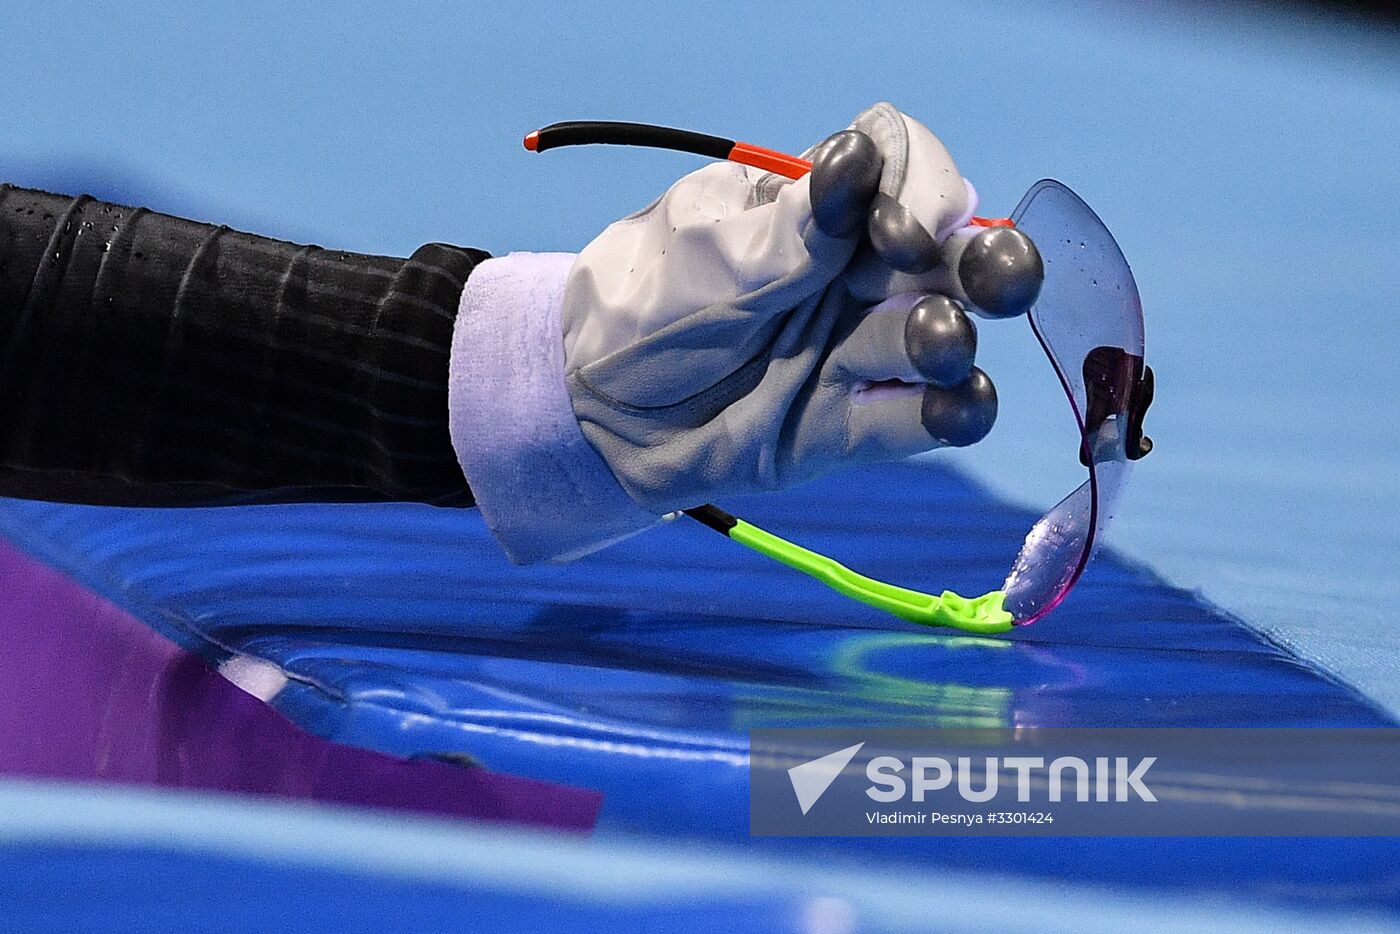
260,678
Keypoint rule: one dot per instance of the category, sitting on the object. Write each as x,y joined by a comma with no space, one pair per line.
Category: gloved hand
745,333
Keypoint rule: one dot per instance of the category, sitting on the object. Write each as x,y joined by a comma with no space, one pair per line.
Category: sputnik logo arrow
810,780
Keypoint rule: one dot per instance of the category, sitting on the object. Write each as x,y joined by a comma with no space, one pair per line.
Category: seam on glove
543,489
893,143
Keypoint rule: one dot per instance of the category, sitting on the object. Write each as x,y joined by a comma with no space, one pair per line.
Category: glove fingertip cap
1001,271
899,238
941,341
962,415
845,176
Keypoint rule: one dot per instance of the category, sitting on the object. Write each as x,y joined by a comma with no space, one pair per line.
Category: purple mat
88,692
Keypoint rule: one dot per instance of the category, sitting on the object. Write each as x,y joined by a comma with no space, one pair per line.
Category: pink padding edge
88,692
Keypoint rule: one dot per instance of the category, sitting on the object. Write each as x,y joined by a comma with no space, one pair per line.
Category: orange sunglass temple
640,134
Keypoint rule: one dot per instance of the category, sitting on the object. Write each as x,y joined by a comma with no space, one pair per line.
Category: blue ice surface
639,671
79,859
150,888
1245,158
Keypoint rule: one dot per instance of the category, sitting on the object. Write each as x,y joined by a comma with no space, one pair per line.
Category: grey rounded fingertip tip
941,341
900,239
963,414
845,176
1001,271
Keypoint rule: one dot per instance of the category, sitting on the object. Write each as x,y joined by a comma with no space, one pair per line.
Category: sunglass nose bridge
1117,385
1139,445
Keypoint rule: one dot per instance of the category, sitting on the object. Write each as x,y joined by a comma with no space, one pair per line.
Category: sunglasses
1087,319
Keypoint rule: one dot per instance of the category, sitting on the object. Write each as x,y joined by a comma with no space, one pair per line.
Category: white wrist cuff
543,489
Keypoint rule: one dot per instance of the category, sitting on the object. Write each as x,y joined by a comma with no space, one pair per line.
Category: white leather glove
741,334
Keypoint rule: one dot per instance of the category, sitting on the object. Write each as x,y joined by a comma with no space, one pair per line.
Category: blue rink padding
639,671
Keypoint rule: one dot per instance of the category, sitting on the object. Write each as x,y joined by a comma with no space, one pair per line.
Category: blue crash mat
639,671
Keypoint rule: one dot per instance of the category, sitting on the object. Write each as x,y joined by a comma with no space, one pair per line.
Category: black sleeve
149,360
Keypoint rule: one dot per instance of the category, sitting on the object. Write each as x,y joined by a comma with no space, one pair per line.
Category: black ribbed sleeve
149,360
